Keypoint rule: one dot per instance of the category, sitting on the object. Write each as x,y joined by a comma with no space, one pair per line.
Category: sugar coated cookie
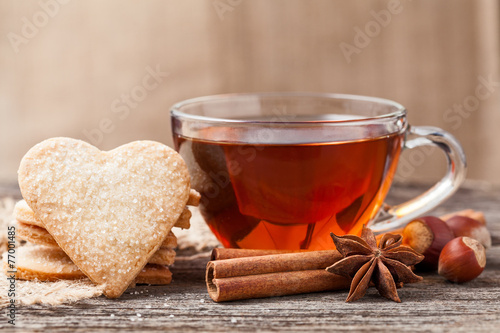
40,236
109,211
23,213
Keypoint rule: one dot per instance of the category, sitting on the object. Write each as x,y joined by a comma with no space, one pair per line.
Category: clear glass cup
282,170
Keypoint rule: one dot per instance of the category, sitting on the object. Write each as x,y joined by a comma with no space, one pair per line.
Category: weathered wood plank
429,65
431,305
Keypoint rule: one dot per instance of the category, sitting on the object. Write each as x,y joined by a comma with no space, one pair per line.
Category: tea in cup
283,170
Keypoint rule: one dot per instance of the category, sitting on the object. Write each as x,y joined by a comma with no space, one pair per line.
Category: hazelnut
474,214
427,235
462,260
469,227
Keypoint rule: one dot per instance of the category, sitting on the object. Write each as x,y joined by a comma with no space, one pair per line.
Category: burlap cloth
191,242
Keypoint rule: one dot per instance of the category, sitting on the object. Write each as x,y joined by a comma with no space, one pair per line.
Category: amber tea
290,196
282,170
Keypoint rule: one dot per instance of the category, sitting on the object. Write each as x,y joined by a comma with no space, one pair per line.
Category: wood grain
433,305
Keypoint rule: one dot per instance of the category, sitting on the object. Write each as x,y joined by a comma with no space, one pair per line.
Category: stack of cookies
103,215
42,259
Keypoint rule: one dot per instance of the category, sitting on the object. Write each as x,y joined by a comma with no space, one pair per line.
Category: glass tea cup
283,170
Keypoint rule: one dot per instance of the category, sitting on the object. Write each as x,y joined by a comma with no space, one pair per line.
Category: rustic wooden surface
433,305
65,79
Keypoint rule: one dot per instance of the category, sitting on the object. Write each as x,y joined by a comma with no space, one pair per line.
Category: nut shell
469,227
474,214
427,235
462,259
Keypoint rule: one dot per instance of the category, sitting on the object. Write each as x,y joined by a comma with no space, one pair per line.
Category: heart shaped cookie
109,211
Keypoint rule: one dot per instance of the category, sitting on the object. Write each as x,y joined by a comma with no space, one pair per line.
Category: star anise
386,265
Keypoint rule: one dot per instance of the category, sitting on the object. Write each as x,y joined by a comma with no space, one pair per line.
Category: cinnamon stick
272,275
221,253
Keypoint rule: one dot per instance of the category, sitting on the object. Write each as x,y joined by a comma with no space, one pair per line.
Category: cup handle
396,217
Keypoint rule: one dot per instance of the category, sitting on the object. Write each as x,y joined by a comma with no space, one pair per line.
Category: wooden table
433,305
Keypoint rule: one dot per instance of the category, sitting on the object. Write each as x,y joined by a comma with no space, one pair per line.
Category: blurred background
108,71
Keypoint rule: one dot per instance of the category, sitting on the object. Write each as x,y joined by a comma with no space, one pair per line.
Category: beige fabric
50,293
428,58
